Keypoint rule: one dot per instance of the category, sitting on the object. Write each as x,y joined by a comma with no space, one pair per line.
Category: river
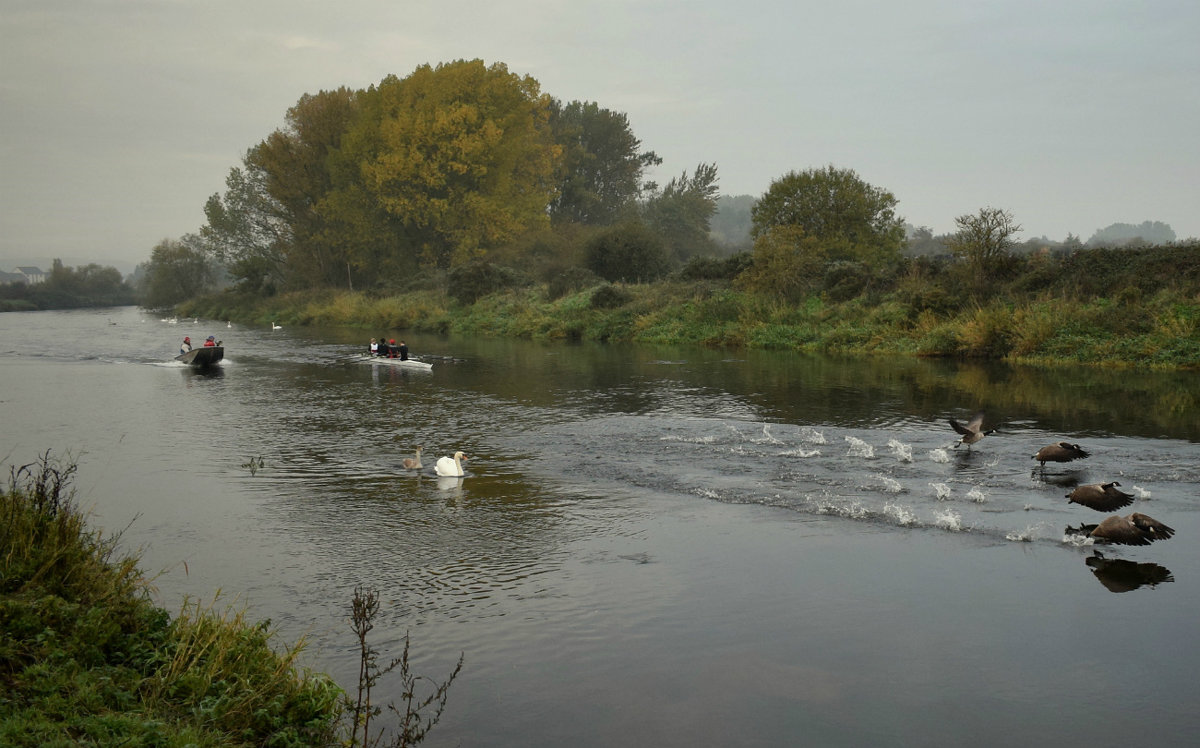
668,547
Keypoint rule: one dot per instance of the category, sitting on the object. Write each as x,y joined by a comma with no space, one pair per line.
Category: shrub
609,296
630,253
473,280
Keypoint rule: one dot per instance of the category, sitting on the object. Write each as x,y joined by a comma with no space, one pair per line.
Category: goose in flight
450,467
972,432
414,462
1103,497
1059,452
1136,529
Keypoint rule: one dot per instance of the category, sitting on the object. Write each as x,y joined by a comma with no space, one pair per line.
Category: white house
33,275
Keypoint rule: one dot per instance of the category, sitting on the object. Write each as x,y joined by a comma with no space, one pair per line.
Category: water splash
900,450
890,484
948,520
859,448
939,455
901,515
767,437
977,495
801,452
1024,536
811,435
940,491
1141,493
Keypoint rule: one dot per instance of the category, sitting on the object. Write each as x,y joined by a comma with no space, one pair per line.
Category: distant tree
629,252
177,271
921,242
853,219
602,166
730,225
983,239
1122,234
1071,243
681,212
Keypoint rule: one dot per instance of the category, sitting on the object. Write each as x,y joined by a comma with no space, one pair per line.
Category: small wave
940,491
900,450
859,448
689,439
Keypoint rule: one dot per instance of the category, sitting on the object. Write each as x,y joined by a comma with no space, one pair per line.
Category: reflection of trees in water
1120,575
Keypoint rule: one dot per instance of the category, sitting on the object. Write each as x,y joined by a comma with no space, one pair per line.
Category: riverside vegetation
87,659
1109,307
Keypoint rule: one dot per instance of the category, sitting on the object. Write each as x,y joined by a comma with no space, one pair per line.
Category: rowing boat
403,363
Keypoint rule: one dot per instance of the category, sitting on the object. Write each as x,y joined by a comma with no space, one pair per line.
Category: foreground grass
87,659
1161,330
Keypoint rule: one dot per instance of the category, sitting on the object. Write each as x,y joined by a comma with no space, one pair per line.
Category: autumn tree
982,240
681,212
854,220
602,164
247,231
460,157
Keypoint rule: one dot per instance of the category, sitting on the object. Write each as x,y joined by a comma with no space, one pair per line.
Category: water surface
652,546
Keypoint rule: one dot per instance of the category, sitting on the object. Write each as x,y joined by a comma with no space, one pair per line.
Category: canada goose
1103,497
1059,452
450,467
1136,529
972,432
414,462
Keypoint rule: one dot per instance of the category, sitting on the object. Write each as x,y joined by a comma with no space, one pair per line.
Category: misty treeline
469,178
69,288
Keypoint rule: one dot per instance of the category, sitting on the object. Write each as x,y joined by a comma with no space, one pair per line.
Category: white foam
1077,539
941,491
902,451
1141,493
859,448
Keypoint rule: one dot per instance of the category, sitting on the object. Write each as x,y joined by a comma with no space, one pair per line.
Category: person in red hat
186,346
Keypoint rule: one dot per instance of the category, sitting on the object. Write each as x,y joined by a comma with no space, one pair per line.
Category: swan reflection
449,483
1120,575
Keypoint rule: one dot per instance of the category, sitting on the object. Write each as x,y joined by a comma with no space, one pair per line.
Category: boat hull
406,363
203,356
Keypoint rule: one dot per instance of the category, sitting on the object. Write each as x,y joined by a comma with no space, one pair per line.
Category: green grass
87,659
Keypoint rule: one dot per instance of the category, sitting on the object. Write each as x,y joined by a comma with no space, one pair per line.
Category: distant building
9,278
33,275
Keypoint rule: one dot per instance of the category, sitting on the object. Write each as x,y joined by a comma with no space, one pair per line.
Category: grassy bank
1159,329
87,659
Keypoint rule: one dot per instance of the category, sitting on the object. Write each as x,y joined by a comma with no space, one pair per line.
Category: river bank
1160,331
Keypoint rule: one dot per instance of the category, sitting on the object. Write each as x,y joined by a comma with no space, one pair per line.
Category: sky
119,118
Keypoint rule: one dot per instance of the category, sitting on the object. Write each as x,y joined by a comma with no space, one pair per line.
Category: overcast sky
118,118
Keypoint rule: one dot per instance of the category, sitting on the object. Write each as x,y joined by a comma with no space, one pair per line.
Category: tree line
468,176
69,288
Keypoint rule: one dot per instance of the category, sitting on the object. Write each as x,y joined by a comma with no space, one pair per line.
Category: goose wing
1151,527
1120,530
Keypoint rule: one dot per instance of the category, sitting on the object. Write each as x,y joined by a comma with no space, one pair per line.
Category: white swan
414,462
450,467
275,326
